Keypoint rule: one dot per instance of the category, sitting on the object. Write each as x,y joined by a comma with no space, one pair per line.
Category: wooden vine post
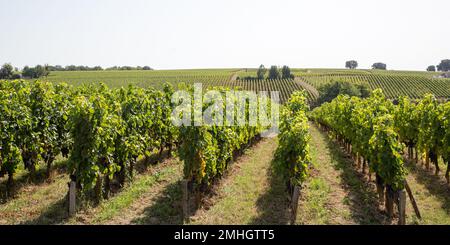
294,203
185,201
389,201
72,198
401,207
413,201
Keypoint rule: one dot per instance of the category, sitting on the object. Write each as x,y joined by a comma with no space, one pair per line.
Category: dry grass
44,202
35,200
250,194
336,193
432,195
152,198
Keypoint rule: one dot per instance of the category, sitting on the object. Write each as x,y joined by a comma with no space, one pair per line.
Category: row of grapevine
285,86
208,149
292,155
351,72
32,125
112,128
103,130
145,79
208,78
425,126
393,84
366,129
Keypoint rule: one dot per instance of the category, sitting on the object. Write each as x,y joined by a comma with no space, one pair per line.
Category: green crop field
142,78
156,79
285,86
413,84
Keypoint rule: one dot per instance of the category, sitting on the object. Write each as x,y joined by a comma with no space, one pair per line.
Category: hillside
413,84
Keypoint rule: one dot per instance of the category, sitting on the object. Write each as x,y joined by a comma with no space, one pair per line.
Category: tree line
273,73
330,91
7,71
443,66
96,68
353,64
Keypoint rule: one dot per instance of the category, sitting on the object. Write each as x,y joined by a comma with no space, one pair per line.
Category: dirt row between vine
250,193
154,197
431,192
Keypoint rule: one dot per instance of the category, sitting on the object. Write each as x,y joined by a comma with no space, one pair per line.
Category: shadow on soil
436,185
273,205
362,197
166,209
54,214
26,179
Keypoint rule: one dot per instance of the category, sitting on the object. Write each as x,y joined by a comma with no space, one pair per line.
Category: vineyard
349,161
365,129
156,79
285,86
209,121
393,83
375,133
102,131
145,79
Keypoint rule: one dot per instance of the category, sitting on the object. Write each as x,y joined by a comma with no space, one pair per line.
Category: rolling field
413,84
156,79
284,86
143,78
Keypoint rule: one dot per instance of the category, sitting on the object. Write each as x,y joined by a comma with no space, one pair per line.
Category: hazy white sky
165,34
